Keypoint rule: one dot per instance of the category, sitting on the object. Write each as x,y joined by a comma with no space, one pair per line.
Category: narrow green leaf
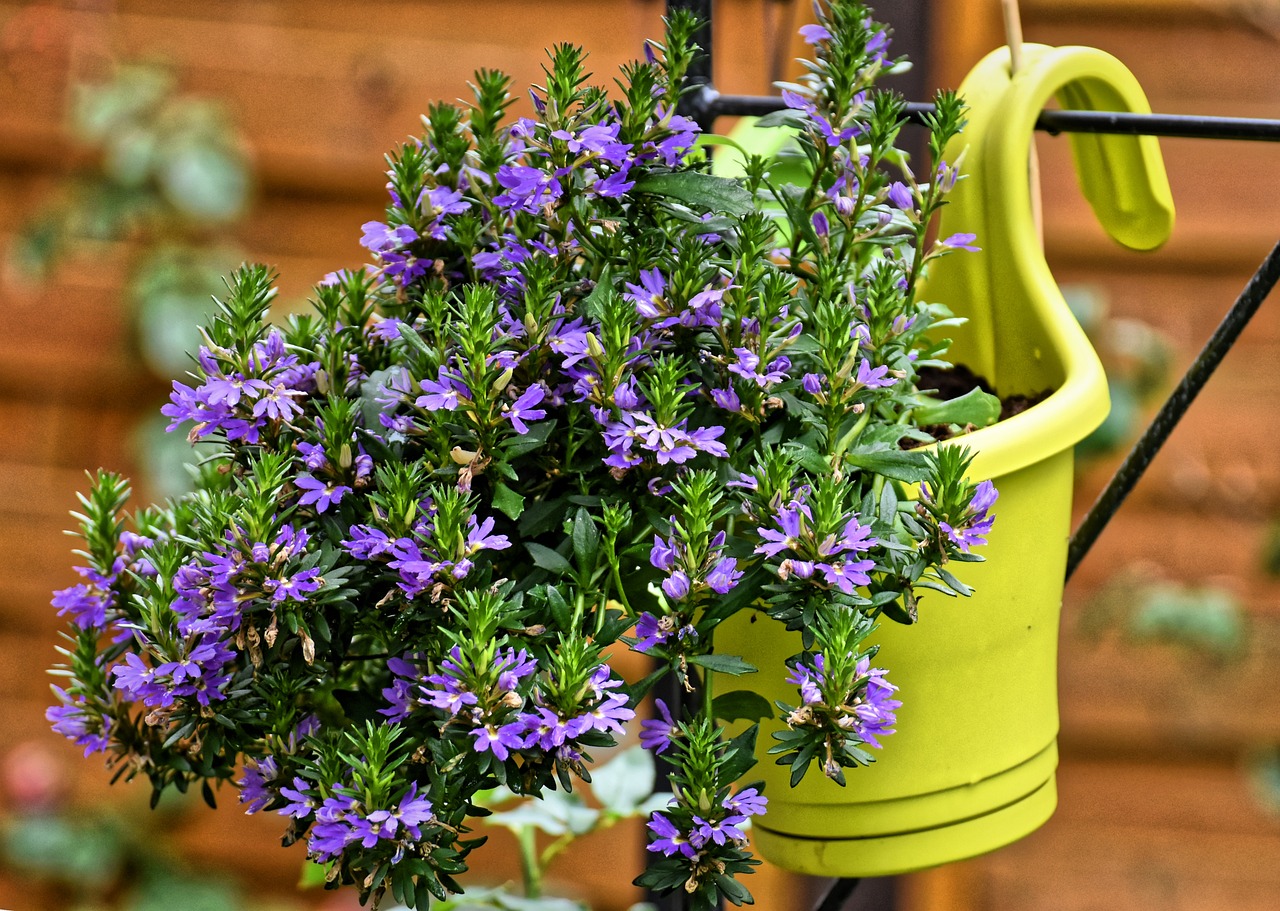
724,664
705,191
909,466
586,538
548,559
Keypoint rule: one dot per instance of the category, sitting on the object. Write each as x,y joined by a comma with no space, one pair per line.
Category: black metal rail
704,104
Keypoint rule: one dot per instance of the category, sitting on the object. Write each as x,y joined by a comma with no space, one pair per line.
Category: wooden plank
1140,852
322,93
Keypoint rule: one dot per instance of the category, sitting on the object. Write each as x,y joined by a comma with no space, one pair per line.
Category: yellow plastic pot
971,767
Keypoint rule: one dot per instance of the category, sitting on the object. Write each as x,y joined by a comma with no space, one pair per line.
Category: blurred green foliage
103,857
162,177
1204,619
1136,357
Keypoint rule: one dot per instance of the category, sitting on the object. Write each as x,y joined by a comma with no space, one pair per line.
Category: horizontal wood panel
321,100
1142,837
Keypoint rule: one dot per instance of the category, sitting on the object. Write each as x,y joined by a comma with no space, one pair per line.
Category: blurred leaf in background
1206,620
158,182
102,857
1136,358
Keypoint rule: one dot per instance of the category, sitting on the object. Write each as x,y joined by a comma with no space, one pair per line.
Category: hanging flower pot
971,766
587,395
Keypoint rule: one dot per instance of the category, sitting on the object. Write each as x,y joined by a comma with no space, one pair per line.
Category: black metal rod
707,104
840,892
1136,462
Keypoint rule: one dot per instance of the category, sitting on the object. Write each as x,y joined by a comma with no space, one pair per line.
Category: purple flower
900,196
821,226
833,136
814,34
670,840
87,606
662,555
787,538
747,367
796,101
480,536
301,802
523,409
676,586
295,587
367,542
961,242
650,295
616,185
651,631
874,377
379,238
321,494
846,575
656,733
976,525
724,576
74,720
608,715
499,742
718,831
513,667
747,802
809,680
727,399
874,706
527,189
254,784
813,383
443,393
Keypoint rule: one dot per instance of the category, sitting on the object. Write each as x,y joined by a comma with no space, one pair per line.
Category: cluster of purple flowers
501,706
866,710
418,560
718,828
715,571
242,402
83,724
344,818
972,528
803,551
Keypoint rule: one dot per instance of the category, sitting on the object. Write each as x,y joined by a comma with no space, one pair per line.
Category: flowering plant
587,394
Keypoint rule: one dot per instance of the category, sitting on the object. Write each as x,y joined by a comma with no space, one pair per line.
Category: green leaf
741,754
506,500
527,442
705,191
974,407
586,538
909,466
548,559
956,585
787,117
741,705
724,664
593,303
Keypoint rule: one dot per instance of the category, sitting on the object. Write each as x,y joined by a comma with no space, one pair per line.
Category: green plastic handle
1123,177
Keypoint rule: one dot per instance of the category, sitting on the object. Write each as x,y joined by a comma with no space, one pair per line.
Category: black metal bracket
704,104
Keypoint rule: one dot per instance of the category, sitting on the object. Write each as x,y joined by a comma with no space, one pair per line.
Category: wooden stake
1013,38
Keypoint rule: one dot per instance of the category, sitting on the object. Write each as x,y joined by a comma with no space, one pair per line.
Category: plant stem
529,867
